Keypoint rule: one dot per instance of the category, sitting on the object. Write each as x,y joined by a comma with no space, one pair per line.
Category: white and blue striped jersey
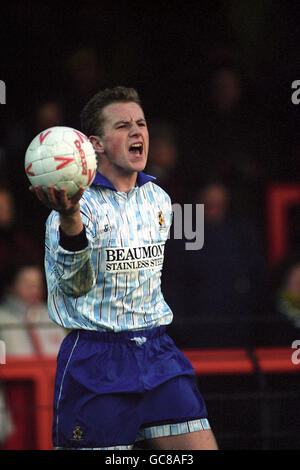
113,284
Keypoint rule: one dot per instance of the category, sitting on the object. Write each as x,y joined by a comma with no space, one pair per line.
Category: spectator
280,305
16,246
17,135
48,113
6,425
233,141
84,75
220,284
27,332
24,322
288,296
165,161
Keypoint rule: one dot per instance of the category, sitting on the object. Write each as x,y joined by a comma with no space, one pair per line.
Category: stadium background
170,52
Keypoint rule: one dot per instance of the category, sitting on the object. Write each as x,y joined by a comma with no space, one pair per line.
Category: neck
121,181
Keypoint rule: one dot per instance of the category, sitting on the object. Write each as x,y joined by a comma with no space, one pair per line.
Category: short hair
92,119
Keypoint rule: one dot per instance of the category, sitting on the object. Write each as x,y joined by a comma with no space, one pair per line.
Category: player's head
92,116
115,123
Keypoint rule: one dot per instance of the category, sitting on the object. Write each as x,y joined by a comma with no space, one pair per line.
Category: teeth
136,146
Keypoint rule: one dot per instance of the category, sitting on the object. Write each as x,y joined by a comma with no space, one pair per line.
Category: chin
139,166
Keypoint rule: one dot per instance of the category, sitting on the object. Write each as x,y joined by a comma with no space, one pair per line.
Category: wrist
71,212
71,222
73,243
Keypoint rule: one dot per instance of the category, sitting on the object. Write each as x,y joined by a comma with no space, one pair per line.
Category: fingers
78,195
40,194
57,199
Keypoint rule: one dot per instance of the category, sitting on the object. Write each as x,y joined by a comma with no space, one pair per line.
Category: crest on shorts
161,221
77,434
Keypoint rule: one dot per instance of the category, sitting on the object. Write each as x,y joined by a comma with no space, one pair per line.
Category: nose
134,129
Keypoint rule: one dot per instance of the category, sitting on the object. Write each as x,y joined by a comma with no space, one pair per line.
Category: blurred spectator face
85,69
215,200
163,153
226,89
28,287
7,210
293,280
49,115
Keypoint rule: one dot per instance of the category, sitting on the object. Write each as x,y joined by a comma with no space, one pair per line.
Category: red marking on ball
91,176
81,136
65,161
30,173
43,136
82,155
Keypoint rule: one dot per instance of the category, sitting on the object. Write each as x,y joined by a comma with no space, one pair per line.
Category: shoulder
157,191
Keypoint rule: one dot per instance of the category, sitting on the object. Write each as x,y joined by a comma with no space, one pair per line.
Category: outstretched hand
58,199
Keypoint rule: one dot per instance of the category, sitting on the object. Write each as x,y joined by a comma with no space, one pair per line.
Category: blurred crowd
225,156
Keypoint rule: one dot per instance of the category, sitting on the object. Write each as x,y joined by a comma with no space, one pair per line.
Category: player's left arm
69,209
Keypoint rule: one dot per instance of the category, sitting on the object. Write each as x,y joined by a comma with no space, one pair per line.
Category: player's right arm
66,242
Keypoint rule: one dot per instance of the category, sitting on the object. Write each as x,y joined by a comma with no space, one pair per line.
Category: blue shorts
113,389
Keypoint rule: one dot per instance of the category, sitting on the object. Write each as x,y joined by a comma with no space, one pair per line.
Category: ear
97,143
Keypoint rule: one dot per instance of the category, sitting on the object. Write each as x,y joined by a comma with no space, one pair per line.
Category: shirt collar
142,178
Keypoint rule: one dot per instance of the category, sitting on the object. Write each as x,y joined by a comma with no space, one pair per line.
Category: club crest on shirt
105,228
161,221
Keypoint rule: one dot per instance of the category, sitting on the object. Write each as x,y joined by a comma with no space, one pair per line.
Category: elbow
78,291
80,285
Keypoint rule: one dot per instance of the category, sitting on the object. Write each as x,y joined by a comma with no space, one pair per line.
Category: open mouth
136,148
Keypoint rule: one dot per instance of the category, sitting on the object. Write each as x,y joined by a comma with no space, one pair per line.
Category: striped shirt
114,283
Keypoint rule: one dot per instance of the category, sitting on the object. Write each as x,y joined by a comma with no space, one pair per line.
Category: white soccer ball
63,157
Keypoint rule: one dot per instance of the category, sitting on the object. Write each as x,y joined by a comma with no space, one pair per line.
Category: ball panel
71,187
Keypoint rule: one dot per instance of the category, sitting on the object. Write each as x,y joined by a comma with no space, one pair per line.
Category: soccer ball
63,157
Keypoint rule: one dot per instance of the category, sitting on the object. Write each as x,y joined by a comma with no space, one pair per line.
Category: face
163,153
215,202
6,209
123,148
226,89
293,280
28,286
